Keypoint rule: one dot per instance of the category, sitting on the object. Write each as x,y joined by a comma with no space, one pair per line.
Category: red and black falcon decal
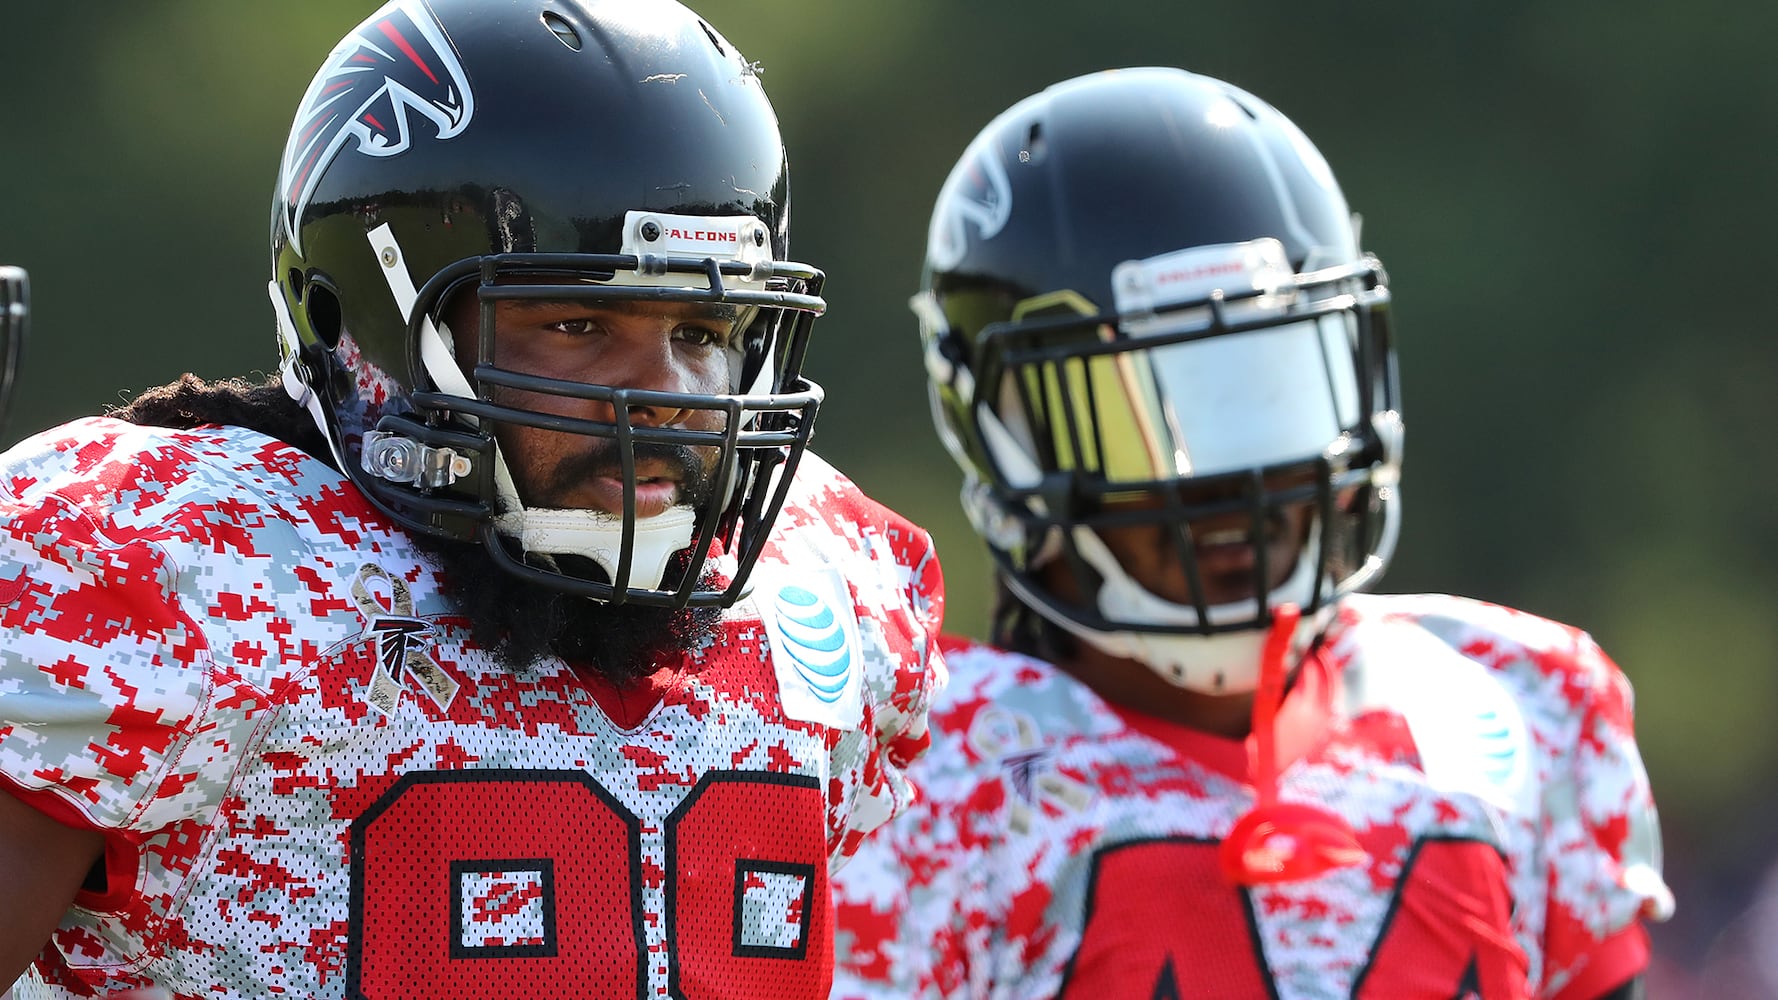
395,65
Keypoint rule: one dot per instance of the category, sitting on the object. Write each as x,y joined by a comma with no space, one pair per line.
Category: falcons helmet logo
980,195
396,65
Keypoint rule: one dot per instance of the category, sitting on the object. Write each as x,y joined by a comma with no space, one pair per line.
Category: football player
1197,761
15,323
508,643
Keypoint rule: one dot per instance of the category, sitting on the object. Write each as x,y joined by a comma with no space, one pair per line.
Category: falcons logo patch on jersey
398,64
402,642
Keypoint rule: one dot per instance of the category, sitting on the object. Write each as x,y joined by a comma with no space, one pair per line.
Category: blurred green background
1574,201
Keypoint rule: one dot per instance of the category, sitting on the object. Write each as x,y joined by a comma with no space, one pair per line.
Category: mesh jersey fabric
314,783
1062,847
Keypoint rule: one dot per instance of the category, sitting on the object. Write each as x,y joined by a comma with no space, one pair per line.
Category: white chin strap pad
1225,663
599,537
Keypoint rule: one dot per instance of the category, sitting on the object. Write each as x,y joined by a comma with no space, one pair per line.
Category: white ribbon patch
402,642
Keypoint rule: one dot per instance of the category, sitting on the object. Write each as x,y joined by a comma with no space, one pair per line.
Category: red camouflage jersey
313,783
1065,848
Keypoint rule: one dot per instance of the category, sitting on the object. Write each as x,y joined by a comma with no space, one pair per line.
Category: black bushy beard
521,622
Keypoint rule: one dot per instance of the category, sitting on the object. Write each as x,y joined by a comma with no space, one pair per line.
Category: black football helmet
1146,285
15,322
576,150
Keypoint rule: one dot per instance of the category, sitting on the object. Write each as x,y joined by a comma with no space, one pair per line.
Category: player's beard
520,622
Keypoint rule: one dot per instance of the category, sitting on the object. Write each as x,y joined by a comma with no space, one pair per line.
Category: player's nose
645,372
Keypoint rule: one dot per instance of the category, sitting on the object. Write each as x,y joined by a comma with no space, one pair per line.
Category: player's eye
703,335
576,327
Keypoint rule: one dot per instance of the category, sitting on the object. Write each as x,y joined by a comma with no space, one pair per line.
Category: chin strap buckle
401,459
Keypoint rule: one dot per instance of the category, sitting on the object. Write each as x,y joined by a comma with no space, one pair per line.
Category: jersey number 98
505,883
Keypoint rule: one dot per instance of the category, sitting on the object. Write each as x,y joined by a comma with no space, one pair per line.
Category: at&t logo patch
813,634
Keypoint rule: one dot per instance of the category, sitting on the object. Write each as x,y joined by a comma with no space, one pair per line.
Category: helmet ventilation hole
1033,150
294,281
323,309
714,40
563,31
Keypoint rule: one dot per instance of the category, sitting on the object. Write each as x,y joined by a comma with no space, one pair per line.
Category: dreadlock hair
517,622
264,407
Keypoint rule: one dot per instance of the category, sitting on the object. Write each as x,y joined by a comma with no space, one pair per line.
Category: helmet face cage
760,440
630,154
15,319
1043,365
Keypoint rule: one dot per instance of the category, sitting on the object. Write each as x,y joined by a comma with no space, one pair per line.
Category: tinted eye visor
1204,388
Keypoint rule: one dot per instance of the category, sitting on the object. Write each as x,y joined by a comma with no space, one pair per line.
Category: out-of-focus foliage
1575,203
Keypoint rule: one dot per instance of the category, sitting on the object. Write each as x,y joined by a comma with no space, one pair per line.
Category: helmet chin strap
599,536
1224,663
296,386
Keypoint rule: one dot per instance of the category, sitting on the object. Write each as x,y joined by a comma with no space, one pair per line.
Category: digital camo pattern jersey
315,785
1483,757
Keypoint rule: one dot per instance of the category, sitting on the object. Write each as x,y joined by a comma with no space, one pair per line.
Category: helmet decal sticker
981,195
397,63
